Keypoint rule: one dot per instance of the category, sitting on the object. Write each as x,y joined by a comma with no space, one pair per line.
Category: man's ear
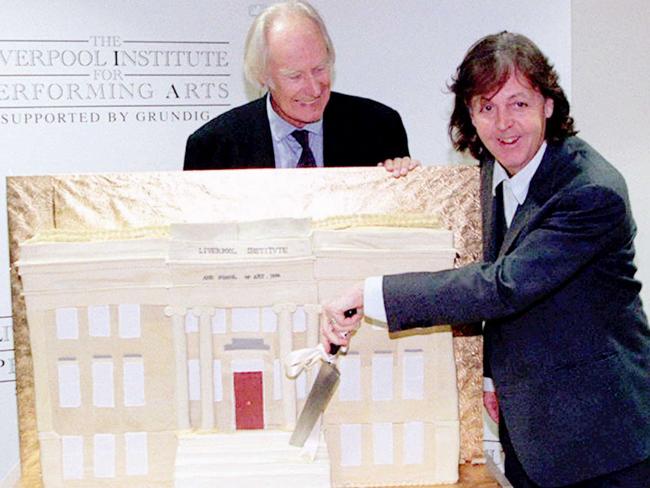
471,116
549,104
265,82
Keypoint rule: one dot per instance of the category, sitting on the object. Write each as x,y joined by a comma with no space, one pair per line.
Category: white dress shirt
286,149
515,188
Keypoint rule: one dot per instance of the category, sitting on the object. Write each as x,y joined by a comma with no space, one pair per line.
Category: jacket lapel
263,155
540,190
488,206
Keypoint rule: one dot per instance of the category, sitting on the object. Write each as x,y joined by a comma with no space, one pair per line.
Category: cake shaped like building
158,356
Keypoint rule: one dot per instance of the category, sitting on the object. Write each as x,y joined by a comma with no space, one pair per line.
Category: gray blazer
566,340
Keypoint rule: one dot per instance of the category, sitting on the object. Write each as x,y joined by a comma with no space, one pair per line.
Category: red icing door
249,401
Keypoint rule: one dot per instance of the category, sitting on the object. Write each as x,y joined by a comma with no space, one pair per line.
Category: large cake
158,356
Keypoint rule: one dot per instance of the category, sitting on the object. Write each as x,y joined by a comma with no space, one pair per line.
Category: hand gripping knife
319,396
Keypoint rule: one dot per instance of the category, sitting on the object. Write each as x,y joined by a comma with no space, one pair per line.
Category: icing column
285,333
205,365
180,358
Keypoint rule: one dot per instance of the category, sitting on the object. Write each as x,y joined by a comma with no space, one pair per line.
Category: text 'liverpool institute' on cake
158,357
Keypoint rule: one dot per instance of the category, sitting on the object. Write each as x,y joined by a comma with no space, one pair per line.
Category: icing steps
247,459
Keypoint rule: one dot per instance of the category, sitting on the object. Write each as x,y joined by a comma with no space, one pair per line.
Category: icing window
277,380
69,385
382,443
129,321
269,320
67,323
350,386
301,385
191,323
382,376
194,379
133,381
246,365
246,319
99,321
218,383
137,458
72,457
413,375
413,443
104,455
103,389
299,320
219,321
350,445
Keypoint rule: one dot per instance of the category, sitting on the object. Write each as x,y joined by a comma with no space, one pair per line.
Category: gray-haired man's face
298,71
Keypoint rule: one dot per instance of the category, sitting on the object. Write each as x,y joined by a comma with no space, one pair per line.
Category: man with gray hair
300,122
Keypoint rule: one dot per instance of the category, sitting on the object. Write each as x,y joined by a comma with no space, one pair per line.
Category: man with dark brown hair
566,340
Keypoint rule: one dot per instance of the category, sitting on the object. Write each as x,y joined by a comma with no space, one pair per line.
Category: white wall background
611,69
402,53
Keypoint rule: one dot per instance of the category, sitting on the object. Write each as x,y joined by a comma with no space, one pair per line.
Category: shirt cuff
488,384
373,301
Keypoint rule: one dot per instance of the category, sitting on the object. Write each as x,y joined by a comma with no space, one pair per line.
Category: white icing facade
158,361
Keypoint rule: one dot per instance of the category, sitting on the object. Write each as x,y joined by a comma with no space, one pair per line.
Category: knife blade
319,396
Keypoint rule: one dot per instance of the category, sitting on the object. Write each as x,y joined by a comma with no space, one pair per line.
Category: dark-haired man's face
511,122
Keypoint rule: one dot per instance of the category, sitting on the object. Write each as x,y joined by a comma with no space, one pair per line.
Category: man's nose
312,86
504,119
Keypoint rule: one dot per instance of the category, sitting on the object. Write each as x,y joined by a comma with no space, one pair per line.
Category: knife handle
334,348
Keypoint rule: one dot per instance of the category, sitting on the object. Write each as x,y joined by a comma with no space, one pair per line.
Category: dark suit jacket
356,132
566,339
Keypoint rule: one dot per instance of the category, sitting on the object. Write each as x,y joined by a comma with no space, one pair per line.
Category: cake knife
319,396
